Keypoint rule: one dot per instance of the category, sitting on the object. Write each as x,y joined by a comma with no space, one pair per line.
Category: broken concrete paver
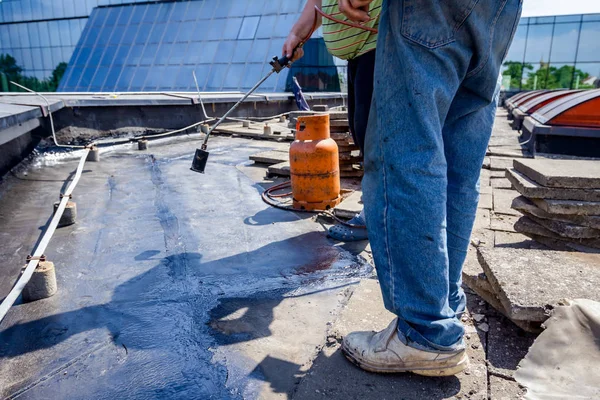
351,206
570,207
533,190
527,206
281,169
271,157
578,174
530,228
530,282
566,229
475,278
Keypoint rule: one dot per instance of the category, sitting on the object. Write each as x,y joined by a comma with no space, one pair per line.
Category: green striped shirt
347,42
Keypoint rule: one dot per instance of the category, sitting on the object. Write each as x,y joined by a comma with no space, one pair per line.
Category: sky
540,8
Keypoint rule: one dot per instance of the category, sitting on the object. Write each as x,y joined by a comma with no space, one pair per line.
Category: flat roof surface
157,253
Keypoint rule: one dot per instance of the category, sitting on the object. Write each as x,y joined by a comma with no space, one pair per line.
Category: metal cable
41,248
268,198
49,115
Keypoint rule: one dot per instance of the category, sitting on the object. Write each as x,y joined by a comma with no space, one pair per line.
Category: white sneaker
383,352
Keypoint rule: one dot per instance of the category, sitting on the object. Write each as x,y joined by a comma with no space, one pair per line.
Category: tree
549,77
515,69
57,75
13,72
9,66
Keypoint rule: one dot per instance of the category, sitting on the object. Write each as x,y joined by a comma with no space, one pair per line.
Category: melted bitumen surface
157,253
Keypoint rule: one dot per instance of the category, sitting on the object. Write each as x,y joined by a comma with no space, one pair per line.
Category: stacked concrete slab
522,278
560,202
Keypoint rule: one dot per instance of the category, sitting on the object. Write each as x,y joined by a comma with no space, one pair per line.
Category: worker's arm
300,29
355,10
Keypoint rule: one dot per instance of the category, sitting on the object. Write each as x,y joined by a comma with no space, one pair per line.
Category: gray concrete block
484,178
532,189
474,277
527,206
42,283
500,163
350,206
270,157
501,183
512,141
504,223
527,226
508,151
93,155
569,207
485,201
281,169
562,245
69,216
497,174
503,201
529,283
565,229
578,174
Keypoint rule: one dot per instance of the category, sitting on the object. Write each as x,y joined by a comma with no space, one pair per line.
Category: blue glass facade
555,52
142,45
228,43
40,34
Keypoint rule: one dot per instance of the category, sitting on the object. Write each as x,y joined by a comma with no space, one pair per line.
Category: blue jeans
431,119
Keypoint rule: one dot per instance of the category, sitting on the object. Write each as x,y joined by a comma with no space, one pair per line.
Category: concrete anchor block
246,124
143,145
42,283
282,119
94,154
204,128
320,107
268,130
69,216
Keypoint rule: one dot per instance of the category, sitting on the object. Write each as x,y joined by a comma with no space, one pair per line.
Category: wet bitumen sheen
157,252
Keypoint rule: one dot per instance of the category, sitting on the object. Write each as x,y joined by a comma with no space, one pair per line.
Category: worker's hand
355,10
290,44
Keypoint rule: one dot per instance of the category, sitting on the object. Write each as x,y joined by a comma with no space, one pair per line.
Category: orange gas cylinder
314,165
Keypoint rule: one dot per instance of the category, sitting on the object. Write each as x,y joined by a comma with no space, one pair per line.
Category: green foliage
546,77
13,72
514,69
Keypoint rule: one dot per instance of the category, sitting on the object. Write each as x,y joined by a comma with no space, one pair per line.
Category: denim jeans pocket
433,23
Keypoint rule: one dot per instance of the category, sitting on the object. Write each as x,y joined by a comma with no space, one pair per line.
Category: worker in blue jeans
434,102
